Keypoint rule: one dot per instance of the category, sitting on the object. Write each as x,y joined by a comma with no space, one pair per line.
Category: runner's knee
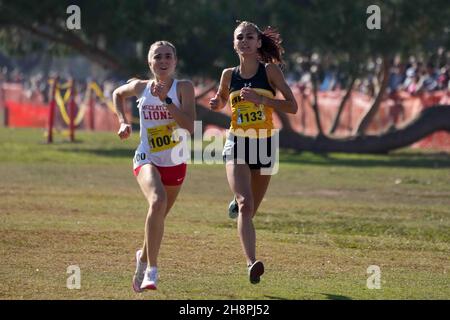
157,201
245,205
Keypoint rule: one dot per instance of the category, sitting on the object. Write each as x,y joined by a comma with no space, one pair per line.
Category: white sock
152,269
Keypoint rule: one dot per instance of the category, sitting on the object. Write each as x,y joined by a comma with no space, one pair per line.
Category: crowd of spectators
413,75
36,87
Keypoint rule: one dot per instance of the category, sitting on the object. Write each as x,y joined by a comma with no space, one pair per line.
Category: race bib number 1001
162,138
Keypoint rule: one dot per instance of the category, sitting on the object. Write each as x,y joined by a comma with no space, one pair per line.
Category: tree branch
370,114
315,104
206,90
427,122
430,120
69,39
344,100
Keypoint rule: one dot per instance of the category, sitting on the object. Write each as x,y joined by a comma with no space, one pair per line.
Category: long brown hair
271,49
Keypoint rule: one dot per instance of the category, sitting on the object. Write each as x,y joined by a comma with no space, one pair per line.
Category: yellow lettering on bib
162,138
249,114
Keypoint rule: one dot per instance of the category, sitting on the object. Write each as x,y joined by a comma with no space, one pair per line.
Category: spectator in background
415,85
429,78
108,88
443,78
329,81
396,76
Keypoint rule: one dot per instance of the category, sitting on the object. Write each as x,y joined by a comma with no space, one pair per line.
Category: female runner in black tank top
250,89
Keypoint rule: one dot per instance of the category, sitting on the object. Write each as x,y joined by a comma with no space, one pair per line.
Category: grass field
324,221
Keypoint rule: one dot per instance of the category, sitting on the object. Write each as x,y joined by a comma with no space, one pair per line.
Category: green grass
324,220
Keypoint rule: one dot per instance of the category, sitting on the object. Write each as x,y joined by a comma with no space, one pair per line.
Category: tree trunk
430,120
209,117
367,118
284,119
95,54
347,95
427,122
206,90
315,104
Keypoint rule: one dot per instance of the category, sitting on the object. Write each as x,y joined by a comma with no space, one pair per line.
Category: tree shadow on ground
117,152
328,296
275,298
109,153
335,296
407,160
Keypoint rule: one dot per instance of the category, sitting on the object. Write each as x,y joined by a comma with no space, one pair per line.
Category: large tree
339,28
116,34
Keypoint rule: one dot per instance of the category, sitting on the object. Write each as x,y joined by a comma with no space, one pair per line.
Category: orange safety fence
31,111
395,110
26,114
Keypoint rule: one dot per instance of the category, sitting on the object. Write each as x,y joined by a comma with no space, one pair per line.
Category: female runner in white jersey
165,104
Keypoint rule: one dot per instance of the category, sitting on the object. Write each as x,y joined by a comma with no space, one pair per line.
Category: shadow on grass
109,153
328,296
114,152
335,296
406,159
61,142
275,298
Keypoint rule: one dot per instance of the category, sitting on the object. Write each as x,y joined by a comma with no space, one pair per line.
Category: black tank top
249,119
258,81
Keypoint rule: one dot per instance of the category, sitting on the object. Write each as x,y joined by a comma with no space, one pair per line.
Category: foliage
202,30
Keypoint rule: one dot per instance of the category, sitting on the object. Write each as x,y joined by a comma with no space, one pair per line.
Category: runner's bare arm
220,99
185,115
133,88
276,79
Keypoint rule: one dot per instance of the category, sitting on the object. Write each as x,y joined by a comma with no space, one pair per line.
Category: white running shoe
139,273
150,279
233,209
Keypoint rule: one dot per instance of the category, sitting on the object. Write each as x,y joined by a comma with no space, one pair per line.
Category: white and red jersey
160,143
